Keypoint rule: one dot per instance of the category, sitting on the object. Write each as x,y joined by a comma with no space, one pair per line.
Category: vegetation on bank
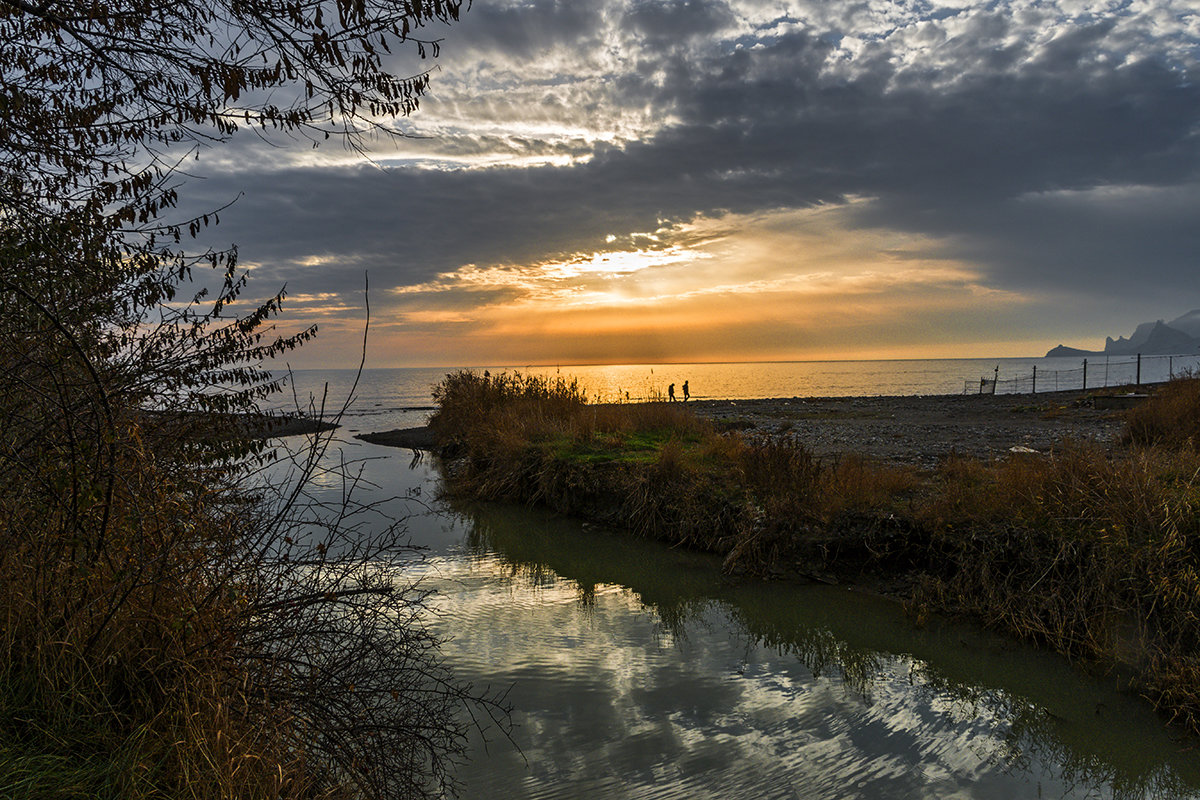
654,468
1094,554
176,620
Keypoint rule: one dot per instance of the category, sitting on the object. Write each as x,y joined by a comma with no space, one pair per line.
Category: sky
648,181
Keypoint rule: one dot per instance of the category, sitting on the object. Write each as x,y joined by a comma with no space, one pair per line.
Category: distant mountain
1062,351
1189,323
1180,335
1152,338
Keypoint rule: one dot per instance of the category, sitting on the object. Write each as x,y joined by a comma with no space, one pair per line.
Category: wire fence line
1094,372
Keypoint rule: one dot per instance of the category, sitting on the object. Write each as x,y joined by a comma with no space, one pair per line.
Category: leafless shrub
179,619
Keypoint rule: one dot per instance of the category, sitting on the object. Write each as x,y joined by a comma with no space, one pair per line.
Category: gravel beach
922,430
917,430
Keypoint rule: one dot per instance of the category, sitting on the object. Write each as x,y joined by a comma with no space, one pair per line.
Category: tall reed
654,468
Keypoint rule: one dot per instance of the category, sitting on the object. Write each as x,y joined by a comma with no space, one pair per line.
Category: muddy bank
267,426
413,438
253,426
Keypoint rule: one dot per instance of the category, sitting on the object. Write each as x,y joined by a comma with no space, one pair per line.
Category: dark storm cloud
1140,244
990,140
665,23
996,134
524,28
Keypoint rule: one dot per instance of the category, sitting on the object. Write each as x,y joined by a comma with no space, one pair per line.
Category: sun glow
779,285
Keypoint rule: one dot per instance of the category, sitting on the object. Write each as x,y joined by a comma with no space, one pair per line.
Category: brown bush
1169,418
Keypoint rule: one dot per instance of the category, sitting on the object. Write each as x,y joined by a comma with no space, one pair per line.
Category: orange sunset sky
721,180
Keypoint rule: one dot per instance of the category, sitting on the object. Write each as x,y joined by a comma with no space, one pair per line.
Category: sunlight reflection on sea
402,397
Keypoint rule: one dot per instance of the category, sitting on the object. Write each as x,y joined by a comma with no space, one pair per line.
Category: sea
385,398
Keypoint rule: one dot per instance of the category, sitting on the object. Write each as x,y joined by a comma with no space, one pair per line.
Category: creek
639,671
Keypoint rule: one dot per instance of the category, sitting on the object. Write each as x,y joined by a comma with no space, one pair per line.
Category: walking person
671,393
685,392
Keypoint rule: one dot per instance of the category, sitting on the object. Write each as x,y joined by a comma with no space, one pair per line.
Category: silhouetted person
671,393
685,392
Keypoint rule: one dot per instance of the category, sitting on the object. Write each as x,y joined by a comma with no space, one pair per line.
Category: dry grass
164,633
855,484
1095,556
508,410
1171,418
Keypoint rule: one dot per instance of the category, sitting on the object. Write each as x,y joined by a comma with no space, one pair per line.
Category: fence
1094,373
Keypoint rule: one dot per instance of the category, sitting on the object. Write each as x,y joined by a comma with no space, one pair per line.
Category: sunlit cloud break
1009,160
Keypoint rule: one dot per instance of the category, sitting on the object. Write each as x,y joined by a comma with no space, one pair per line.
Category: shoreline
252,425
922,430
917,430
419,438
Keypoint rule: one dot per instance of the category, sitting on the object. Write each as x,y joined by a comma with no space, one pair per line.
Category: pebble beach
916,430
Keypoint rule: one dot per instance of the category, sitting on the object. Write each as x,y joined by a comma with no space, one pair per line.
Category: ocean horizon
389,397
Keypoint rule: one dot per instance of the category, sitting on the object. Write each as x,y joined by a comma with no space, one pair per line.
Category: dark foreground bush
176,621
168,627
163,637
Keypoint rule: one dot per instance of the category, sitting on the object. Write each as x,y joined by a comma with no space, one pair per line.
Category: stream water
639,671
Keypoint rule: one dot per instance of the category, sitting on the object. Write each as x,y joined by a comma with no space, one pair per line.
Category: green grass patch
625,447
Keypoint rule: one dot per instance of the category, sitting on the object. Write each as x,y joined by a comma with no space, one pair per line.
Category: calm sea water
391,398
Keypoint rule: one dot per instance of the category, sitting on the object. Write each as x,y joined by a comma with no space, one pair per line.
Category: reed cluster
656,469
1171,418
1093,553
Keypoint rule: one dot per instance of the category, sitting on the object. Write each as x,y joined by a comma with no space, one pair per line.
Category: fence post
1085,374
996,380
1139,370
1034,379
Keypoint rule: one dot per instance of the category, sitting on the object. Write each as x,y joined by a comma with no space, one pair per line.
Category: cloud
1050,146
666,24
